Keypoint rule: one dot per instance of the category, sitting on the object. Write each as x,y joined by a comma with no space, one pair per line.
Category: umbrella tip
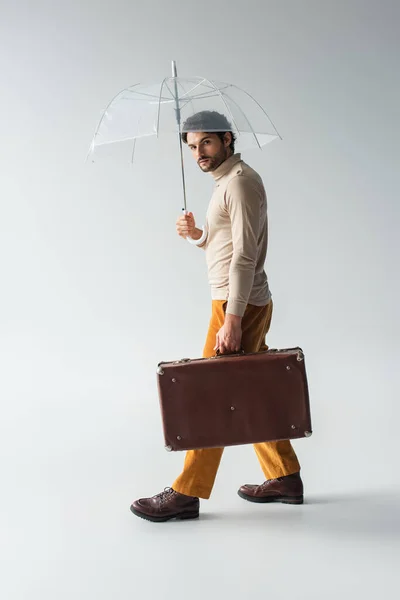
174,71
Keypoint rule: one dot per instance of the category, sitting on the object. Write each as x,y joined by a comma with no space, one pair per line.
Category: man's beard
213,162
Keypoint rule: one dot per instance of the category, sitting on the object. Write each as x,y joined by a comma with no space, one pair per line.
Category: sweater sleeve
243,203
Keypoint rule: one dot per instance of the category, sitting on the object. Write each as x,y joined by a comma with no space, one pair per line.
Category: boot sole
267,500
179,516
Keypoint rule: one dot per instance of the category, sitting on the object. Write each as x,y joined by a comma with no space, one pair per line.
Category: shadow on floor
366,515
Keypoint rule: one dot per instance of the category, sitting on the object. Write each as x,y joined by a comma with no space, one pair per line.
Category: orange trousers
276,458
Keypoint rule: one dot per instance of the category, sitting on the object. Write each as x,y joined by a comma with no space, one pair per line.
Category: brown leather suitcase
234,399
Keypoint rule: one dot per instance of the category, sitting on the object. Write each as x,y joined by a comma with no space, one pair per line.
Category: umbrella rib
185,95
102,118
248,122
207,94
193,88
203,96
133,150
226,105
134,139
159,104
126,139
170,91
259,105
188,100
226,85
144,94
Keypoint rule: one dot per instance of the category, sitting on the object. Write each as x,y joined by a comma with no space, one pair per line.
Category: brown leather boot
165,506
288,490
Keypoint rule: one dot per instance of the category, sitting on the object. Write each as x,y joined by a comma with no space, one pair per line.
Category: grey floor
76,538
74,457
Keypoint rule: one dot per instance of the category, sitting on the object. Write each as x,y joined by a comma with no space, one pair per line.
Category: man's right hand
186,226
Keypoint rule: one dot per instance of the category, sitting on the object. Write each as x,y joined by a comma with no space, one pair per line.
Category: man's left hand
229,337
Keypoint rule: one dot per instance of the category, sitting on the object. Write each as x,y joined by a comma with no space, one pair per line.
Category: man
235,239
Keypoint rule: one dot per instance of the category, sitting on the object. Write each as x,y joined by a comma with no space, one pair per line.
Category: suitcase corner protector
160,370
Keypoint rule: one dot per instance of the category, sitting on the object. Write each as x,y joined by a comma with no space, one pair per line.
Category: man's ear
227,139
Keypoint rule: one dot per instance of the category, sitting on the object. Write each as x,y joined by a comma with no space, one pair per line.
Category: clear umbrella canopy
151,110
177,105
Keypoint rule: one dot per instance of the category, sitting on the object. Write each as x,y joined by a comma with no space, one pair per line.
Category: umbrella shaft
183,173
178,120
177,107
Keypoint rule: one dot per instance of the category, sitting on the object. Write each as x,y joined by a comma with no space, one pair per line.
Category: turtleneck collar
226,166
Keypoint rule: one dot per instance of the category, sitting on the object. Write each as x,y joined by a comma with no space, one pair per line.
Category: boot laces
270,481
165,495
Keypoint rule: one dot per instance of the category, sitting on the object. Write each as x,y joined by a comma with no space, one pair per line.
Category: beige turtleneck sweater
236,239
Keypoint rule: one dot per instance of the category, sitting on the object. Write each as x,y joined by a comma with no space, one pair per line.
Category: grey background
96,289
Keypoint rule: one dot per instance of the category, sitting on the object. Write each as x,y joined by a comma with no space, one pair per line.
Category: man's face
208,149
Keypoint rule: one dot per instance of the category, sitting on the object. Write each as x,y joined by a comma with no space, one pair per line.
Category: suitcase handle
239,353
300,353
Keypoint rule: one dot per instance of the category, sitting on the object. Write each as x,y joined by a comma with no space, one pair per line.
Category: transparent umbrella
158,109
